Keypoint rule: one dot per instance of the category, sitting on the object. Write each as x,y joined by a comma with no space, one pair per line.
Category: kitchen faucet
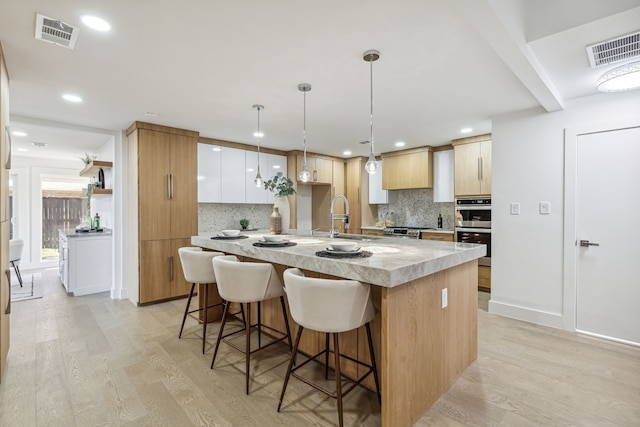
338,217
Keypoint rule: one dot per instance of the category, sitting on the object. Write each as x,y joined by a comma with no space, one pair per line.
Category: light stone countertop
71,233
426,230
394,261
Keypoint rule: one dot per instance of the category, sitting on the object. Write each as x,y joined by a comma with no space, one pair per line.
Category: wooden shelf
97,191
92,169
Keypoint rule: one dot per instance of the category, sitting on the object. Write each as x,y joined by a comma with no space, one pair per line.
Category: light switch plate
545,208
445,298
515,208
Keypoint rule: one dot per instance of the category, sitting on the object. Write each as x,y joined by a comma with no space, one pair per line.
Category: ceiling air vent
56,32
616,50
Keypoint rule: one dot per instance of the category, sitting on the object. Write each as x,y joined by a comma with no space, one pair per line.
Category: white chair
330,306
246,283
197,268
15,253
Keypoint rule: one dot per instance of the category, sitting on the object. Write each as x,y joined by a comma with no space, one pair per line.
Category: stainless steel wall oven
473,223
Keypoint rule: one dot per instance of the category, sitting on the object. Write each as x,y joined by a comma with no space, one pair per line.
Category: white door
607,209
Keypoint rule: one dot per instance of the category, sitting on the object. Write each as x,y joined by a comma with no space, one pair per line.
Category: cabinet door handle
171,175
169,186
8,309
481,168
315,175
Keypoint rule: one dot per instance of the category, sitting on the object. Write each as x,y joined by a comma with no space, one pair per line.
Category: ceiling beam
502,29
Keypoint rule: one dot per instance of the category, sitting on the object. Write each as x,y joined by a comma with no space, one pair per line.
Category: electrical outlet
515,208
545,208
445,298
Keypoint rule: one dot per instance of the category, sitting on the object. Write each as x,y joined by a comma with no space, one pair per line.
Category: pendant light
370,56
304,175
258,135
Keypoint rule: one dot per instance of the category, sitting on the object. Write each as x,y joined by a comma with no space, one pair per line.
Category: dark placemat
241,236
338,255
274,244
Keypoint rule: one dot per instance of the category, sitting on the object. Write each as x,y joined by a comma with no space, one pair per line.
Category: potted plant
282,186
244,223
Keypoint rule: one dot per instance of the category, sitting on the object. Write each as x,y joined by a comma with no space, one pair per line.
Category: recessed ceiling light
250,170
39,144
200,177
466,130
150,114
217,149
95,23
258,134
399,144
18,133
276,166
71,98
346,153
24,150
620,79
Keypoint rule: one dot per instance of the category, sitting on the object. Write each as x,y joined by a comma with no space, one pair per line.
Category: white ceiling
201,65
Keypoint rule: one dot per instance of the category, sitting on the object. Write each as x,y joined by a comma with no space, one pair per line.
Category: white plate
344,250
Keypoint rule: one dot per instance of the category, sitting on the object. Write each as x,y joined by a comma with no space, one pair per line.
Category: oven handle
473,208
474,230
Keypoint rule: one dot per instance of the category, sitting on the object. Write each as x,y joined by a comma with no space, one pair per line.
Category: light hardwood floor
89,361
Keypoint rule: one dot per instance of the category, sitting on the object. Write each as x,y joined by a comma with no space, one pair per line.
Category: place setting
274,241
229,235
344,250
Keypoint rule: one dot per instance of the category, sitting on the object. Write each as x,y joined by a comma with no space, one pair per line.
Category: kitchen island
422,345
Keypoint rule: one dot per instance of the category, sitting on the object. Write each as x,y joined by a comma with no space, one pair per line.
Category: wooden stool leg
259,324
186,310
204,325
373,362
286,324
293,357
248,345
326,356
336,350
222,323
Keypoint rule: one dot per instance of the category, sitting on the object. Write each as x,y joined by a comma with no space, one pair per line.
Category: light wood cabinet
370,232
484,278
5,153
167,206
442,237
408,169
357,192
472,166
321,169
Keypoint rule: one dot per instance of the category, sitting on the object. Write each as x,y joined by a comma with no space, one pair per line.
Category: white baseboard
539,317
119,294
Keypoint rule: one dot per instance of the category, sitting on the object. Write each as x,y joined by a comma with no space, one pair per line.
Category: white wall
528,167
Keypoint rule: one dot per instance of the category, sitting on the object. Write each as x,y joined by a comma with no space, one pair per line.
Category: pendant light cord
304,126
259,136
371,91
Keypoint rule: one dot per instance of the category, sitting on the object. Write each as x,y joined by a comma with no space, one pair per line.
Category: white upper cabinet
376,194
443,176
255,194
233,171
208,173
226,175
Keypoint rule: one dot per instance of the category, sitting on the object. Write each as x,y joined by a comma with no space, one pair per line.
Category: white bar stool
15,253
248,282
197,268
329,306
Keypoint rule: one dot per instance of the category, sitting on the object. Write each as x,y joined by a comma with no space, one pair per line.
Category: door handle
586,243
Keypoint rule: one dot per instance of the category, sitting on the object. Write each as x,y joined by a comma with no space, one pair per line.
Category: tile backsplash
416,208
213,217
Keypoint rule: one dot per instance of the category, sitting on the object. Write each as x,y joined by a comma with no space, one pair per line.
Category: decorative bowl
230,232
273,237
344,246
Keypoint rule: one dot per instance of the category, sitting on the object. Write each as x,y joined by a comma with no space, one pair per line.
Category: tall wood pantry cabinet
167,200
5,156
472,166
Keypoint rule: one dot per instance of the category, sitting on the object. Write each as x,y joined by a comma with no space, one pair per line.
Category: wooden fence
66,212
